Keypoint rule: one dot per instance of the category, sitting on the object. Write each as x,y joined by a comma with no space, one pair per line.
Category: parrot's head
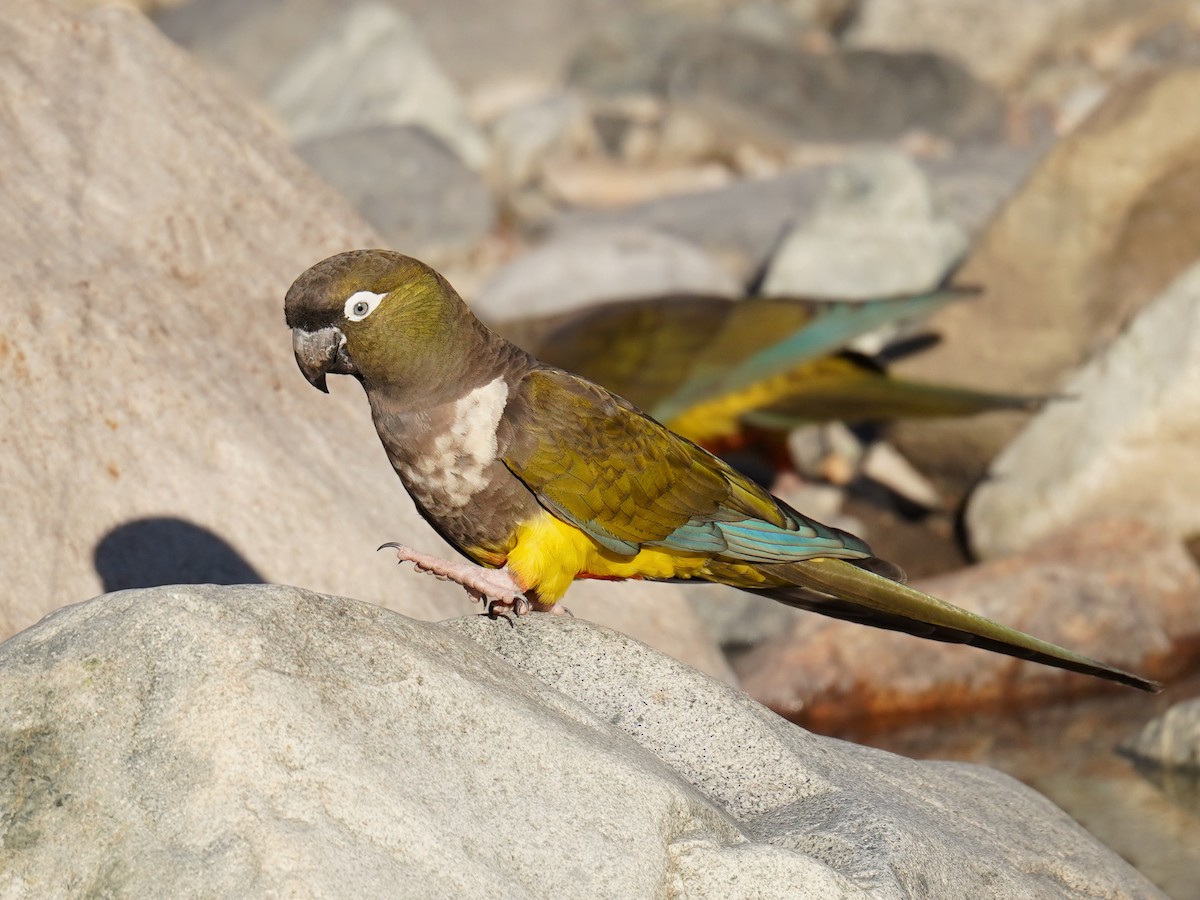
383,317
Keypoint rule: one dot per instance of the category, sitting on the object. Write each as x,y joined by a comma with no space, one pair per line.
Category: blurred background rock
552,154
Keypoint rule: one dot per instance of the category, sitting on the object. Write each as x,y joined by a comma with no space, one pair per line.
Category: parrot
729,373
539,477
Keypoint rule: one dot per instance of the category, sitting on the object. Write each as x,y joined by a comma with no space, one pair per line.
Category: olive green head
378,315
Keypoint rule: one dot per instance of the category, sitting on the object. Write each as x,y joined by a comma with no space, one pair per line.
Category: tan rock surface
150,228
154,425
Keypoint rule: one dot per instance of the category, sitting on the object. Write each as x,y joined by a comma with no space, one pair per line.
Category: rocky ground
165,178
264,740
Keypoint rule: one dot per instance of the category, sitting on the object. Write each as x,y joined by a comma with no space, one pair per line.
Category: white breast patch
454,470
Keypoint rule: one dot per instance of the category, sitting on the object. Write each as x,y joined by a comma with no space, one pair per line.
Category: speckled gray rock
973,183
408,184
258,741
1002,51
1124,444
877,232
267,741
625,56
331,66
891,826
250,40
583,267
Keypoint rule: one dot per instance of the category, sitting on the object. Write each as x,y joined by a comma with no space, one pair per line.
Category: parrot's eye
361,304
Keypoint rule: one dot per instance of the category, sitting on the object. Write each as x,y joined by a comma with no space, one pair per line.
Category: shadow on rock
154,552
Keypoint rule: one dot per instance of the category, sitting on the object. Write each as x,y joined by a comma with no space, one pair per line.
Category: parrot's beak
320,352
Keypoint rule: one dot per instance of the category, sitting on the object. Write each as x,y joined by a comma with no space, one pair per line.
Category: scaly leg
496,587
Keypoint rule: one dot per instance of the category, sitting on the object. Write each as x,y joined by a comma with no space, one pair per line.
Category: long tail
844,590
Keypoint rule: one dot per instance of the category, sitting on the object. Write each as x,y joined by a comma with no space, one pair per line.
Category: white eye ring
361,304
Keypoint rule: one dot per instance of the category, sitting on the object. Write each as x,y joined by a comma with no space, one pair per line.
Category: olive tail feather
871,599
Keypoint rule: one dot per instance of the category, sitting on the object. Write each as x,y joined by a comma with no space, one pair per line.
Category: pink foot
494,586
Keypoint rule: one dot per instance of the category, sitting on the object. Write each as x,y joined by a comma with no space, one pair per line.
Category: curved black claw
496,610
390,545
499,609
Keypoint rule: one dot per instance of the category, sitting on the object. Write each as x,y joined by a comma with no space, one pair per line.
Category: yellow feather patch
549,554
720,417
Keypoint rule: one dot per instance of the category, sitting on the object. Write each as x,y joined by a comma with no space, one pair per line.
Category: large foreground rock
258,741
155,428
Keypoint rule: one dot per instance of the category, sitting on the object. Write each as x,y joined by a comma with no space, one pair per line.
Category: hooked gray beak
319,352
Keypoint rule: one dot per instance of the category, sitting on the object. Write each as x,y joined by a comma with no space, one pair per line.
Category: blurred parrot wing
855,389
596,462
832,326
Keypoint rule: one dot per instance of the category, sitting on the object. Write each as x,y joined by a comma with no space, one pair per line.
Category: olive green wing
594,460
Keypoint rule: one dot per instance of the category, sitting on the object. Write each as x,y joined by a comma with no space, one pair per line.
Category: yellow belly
549,554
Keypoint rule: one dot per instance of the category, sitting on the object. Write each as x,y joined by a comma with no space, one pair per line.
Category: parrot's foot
497,608
496,587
